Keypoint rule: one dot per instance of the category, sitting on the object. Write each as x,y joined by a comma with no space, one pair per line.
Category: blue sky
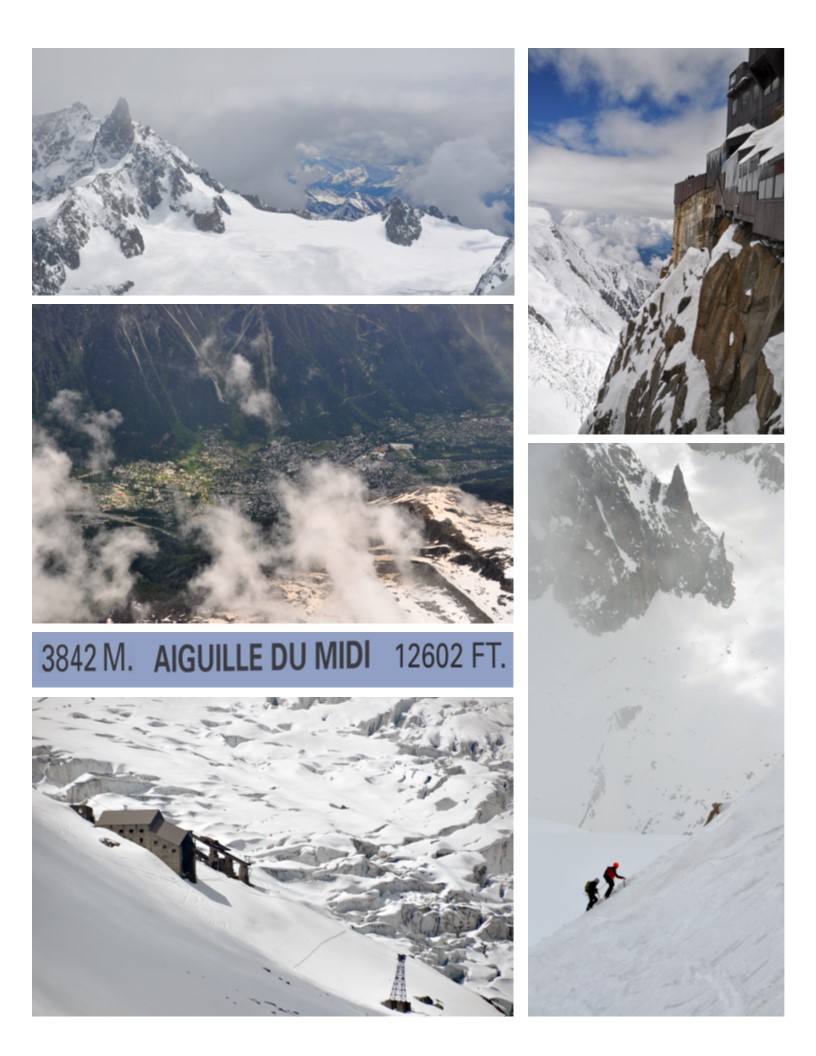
612,130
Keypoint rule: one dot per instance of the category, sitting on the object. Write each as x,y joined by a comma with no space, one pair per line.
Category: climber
610,875
591,888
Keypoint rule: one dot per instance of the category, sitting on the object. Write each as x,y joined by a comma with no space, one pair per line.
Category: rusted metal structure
149,829
745,175
220,858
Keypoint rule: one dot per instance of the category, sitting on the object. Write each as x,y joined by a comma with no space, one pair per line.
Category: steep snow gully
699,932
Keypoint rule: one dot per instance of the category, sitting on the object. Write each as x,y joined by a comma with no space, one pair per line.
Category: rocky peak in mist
606,535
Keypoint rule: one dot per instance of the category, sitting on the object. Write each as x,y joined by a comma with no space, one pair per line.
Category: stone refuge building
745,176
150,829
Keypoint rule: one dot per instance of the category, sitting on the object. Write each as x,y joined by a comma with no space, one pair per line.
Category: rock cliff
705,352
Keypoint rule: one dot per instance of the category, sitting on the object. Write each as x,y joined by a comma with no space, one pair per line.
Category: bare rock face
692,360
403,225
211,221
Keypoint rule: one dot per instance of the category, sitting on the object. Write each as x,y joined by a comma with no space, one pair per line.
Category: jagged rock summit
108,174
606,536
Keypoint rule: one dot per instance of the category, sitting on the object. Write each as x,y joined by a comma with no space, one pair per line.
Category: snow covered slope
117,933
578,302
117,209
390,819
700,932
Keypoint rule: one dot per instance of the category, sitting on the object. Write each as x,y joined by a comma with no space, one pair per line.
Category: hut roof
153,820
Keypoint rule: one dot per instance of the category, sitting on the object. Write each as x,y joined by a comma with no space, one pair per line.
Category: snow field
700,932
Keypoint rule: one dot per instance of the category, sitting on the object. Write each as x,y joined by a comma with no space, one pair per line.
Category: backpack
609,873
590,887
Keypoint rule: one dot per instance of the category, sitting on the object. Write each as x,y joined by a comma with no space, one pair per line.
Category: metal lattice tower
398,991
399,997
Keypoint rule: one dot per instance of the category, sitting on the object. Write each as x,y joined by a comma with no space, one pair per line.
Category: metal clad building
747,171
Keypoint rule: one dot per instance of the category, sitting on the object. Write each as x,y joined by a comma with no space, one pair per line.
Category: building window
734,106
774,84
756,91
779,186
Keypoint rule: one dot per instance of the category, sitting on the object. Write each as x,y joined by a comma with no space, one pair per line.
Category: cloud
616,237
254,402
664,75
458,178
643,119
75,576
247,114
95,426
619,162
316,564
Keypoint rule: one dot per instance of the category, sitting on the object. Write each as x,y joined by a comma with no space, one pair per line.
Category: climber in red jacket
611,874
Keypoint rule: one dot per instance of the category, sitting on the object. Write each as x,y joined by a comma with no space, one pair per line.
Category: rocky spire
677,495
115,137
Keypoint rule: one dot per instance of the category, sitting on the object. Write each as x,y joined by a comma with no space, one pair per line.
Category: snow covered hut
150,829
